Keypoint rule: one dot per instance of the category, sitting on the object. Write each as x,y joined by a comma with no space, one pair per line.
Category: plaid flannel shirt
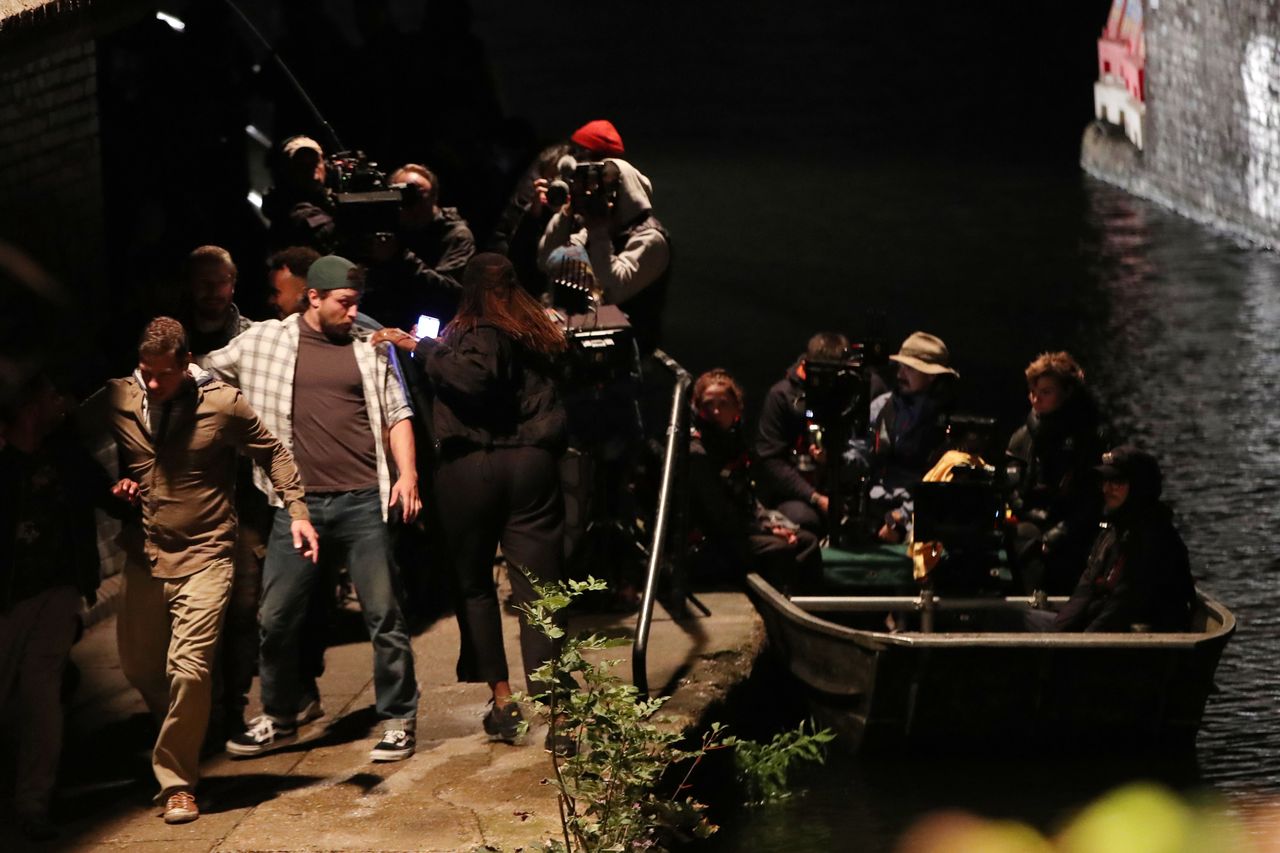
261,363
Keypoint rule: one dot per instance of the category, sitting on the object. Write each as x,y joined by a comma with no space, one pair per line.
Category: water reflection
1176,326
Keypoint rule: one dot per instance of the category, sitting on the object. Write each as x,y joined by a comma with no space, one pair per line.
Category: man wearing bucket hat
909,424
1138,577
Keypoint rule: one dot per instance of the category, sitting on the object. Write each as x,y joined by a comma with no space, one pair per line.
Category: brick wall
50,166
1213,115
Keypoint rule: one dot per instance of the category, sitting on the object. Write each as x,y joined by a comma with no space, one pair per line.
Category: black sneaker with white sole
396,745
263,735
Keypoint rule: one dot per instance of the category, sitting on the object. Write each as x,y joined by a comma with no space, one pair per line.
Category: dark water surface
1176,328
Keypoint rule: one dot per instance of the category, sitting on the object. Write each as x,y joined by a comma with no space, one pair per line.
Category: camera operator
527,213
418,269
737,533
789,458
609,212
299,206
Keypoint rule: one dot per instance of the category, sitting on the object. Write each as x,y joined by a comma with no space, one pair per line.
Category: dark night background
821,165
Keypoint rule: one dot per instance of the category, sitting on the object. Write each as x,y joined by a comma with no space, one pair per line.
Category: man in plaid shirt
337,402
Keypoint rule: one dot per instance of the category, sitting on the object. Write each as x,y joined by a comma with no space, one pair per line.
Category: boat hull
1012,690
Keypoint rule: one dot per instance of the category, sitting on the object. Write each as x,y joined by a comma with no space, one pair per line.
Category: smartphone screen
427,326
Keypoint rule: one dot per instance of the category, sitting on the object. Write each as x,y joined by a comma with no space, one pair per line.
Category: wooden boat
953,682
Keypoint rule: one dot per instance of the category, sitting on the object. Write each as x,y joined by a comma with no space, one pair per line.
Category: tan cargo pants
167,632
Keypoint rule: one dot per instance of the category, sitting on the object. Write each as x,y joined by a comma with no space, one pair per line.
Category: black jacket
83,486
781,432
1051,461
491,392
426,278
1138,574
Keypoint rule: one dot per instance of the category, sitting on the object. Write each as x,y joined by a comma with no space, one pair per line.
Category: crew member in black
735,533
500,427
787,473
1050,463
1138,577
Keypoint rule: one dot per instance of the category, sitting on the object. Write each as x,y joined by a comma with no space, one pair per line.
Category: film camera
368,206
590,188
838,393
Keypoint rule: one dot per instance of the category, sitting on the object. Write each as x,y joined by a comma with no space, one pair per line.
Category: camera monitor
963,512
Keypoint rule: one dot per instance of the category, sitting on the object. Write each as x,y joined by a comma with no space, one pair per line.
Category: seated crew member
1138,577
1054,491
629,249
787,471
737,533
419,270
908,425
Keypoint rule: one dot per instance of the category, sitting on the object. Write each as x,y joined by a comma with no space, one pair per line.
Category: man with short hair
287,277
419,270
177,438
211,318
299,206
331,395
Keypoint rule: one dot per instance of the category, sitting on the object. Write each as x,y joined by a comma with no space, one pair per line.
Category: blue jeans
350,527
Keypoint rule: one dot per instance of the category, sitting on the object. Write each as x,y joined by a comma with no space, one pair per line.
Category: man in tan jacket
177,438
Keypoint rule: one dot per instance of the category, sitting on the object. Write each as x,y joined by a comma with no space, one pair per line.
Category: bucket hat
926,353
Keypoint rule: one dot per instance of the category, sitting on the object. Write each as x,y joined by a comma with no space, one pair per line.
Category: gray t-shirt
332,439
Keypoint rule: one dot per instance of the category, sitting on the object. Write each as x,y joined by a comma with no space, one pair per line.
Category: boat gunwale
880,640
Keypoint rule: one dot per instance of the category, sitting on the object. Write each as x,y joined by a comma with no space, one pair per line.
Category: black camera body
838,393
368,206
593,188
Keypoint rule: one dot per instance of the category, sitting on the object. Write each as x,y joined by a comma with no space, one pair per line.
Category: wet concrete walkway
460,792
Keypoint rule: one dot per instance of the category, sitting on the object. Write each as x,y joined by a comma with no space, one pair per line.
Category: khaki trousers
35,642
167,632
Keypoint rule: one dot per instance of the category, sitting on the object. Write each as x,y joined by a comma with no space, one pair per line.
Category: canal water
1176,327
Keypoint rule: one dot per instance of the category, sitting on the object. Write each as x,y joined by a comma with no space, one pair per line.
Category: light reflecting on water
1177,327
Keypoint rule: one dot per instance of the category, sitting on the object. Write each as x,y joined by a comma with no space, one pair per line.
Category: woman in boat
500,427
1055,494
735,532
1138,576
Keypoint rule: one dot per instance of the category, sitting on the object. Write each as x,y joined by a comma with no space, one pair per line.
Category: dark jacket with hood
491,392
1138,572
1054,485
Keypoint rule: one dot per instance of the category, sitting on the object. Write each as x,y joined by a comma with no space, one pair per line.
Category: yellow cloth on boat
925,555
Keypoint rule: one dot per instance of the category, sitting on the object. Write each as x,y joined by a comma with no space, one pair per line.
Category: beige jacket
187,480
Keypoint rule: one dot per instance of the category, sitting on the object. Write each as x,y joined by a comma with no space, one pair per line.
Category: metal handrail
676,429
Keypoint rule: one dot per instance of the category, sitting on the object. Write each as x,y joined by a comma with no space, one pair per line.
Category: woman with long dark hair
499,427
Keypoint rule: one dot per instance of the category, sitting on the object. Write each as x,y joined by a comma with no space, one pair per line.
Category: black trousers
507,496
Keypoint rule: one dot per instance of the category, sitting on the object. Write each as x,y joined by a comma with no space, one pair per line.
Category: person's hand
305,540
126,490
405,493
785,533
817,453
822,502
395,337
539,195
889,533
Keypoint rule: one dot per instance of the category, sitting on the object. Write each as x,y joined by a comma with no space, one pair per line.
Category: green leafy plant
762,767
608,779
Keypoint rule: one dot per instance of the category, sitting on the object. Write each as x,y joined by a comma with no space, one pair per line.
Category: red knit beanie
599,137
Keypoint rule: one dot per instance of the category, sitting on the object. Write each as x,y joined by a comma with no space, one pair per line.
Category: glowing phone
426,327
